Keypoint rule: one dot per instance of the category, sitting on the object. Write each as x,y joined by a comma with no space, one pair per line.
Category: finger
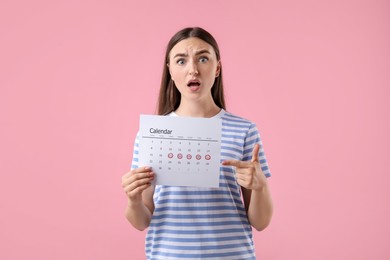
143,187
241,177
134,185
126,175
245,180
138,190
137,170
245,171
137,176
255,153
236,163
142,169
242,183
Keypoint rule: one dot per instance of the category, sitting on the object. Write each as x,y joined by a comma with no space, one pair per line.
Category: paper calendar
183,151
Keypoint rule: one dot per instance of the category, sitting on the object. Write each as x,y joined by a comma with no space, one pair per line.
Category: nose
193,70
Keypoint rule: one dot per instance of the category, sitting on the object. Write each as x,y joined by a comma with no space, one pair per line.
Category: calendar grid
181,151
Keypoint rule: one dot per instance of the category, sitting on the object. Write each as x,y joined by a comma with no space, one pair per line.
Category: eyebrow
196,53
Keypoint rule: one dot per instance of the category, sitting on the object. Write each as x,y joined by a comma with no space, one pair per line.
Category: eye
203,59
180,61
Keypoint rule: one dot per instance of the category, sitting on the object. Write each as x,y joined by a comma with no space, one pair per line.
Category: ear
218,69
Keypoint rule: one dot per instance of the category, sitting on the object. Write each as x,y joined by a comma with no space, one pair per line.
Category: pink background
75,75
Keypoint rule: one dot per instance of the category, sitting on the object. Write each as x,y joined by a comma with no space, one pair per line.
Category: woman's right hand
136,181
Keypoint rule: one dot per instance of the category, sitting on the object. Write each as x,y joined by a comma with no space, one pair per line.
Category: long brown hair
169,97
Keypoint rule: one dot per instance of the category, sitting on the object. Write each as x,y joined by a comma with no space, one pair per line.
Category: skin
189,59
255,190
194,59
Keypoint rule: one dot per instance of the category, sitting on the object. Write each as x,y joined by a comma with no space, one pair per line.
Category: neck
196,109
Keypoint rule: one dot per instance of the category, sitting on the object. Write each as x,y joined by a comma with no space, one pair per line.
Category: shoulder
231,118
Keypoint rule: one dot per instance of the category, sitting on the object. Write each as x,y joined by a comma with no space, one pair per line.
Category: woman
202,223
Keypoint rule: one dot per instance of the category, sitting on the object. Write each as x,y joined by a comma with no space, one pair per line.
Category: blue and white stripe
206,223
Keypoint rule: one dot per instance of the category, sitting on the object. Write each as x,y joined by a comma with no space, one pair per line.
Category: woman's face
193,66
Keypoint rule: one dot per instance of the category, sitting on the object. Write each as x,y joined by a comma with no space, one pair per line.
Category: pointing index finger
235,163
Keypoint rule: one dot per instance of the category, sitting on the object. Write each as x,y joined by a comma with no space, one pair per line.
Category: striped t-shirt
206,223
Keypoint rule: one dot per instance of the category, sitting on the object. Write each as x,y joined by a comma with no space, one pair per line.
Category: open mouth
193,83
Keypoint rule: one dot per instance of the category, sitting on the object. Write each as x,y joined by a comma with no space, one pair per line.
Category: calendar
182,151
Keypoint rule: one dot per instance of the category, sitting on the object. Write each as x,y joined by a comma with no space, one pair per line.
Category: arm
255,190
258,204
139,191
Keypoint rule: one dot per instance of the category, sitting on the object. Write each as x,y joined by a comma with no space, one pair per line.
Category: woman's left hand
248,173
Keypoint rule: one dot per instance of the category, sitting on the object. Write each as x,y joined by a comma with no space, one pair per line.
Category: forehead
190,46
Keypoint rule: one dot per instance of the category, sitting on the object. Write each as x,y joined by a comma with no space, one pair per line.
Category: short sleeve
135,162
252,138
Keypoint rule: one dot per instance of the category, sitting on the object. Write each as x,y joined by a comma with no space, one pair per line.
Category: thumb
255,153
